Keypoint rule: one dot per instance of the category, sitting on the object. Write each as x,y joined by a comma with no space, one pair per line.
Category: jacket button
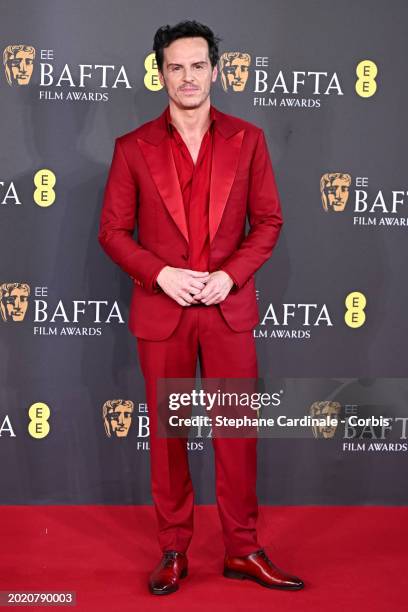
184,256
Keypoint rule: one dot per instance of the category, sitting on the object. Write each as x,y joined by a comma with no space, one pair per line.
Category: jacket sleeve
265,218
117,225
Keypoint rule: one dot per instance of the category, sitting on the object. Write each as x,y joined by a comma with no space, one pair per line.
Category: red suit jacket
143,191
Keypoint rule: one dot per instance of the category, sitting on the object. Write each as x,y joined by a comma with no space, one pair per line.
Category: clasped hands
188,287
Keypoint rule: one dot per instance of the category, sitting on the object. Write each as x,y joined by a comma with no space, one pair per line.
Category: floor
350,558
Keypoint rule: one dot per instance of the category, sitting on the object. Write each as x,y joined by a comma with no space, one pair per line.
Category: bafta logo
14,301
234,70
18,63
323,410
334,189
117,417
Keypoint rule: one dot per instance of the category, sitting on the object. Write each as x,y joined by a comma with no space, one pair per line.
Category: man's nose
188,76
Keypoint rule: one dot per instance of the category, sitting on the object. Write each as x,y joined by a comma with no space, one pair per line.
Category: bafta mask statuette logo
14,301
334,189
117,417
18,61
234,70
323,410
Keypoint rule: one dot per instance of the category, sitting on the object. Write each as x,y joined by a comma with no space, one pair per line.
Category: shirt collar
170,125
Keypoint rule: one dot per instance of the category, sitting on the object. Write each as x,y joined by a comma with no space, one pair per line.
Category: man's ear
161,79
214,74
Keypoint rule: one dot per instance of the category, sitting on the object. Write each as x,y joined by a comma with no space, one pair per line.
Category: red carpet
350,558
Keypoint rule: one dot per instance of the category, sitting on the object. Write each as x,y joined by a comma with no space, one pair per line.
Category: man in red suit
188,180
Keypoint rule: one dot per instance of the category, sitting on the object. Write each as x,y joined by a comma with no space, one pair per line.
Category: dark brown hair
185,29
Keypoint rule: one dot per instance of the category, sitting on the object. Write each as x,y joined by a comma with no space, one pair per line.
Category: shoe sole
183,574
239,576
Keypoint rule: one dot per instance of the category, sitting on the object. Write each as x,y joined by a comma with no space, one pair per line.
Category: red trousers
201,333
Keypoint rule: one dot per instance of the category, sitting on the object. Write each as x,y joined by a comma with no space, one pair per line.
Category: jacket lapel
223,170
160,160
156,149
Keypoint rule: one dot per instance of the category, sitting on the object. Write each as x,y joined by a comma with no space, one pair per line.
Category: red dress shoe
165,577
258,567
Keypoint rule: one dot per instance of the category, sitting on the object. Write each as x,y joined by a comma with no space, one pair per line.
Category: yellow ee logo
39,426
355,304
366,72
151,78
44,180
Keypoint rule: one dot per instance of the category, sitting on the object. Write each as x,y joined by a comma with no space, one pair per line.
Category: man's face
120,421
21,67
16,304
337,194
187,73
237,74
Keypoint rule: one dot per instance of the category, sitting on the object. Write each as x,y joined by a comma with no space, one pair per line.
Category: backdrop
326,82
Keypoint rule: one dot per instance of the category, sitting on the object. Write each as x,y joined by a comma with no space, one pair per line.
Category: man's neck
191,123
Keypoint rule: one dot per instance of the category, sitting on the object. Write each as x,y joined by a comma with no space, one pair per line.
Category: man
188,179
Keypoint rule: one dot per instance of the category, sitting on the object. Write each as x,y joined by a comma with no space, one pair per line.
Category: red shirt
195,188
194,182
